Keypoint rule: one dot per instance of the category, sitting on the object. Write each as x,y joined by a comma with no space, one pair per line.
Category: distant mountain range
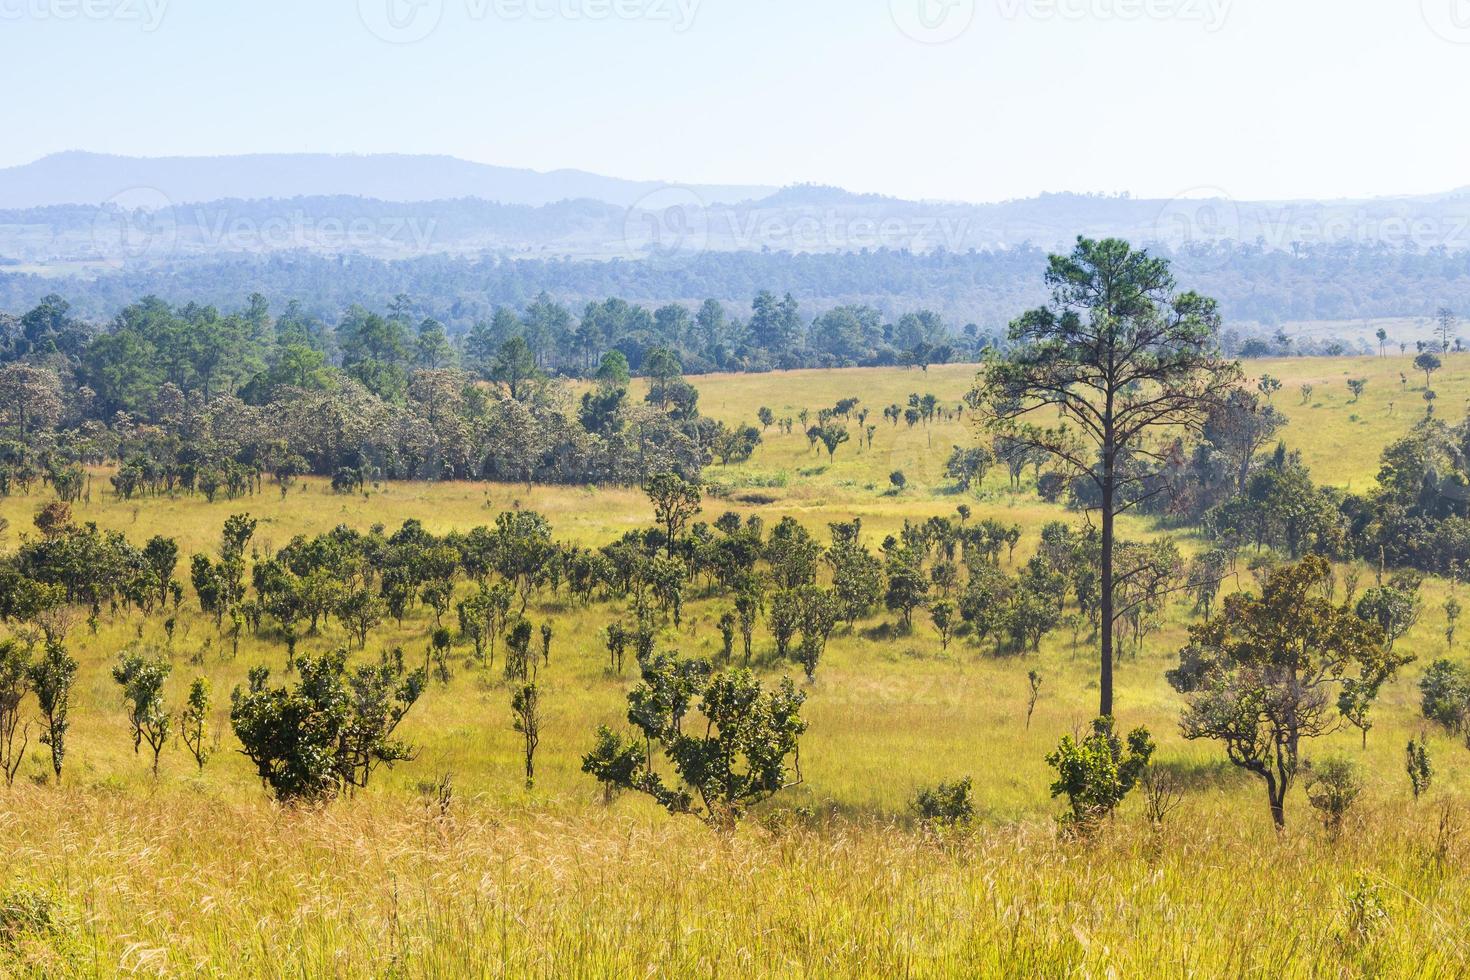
95,178
85,212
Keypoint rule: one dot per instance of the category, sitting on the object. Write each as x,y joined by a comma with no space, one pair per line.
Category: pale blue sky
1253,98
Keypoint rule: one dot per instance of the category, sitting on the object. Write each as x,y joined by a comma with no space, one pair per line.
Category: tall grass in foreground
102,884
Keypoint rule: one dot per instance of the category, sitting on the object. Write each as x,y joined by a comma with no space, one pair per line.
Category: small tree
441,642
818,617
361,612
749,601
675,500
1444,692
519,664
194,721
944,617
1418,766
898,480
1452,612
735,758
1333,787
1161,793
332,730
1394,607
1356,386
830,435
525,706
1259,676
52,677
727,636
1428,362
908,586
1033,679
1096,772
783,619
616,638
15,682
1306,391
474,623
615,762
142,679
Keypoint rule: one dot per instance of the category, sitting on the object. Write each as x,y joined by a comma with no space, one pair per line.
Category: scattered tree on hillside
1418,766
525,706
52,677
194,727
736,757
1118,353
329,733
675,501
15,683
142,679
1428,362
1259,677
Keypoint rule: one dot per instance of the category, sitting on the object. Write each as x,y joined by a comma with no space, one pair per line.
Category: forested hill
1254,285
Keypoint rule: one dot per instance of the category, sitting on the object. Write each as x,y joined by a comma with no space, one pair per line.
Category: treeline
1253,284
193,346
190,398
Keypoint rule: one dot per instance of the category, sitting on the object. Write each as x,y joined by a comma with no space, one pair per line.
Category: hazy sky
1252,98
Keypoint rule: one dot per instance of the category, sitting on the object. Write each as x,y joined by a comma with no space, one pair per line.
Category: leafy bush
1333,787
332,730
1444,694
949,804
736,758
1096,772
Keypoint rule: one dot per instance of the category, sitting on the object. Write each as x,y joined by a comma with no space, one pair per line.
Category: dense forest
1258,288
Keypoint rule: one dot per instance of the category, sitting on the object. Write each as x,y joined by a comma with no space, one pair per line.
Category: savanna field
446,865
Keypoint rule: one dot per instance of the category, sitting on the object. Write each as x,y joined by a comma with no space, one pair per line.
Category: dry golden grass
180,884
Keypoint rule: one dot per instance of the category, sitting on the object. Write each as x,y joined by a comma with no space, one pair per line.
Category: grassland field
199,873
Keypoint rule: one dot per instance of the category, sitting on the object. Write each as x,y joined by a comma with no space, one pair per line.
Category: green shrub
1096,772
948,804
